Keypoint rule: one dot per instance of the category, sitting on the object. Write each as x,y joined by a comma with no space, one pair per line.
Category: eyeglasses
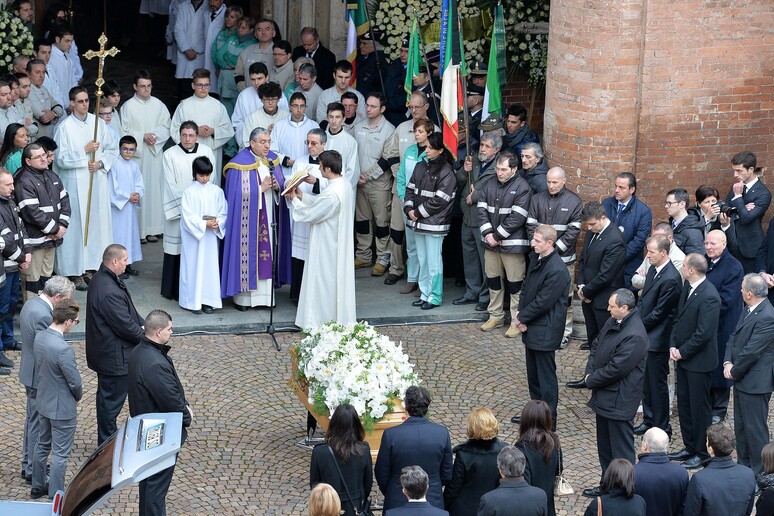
106,114
670,203
76,321
202,86
128,149
82,101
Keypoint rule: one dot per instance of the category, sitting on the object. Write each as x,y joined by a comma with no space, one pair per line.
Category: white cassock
199,266
169,34
115,122
211,29
346,145
178,174
248,102
260,118
288,137
139,117
73,258
299,231
124,178
206,111
189,35
328,288
60,69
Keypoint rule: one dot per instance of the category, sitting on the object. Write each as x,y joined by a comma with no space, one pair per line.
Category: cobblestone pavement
241,458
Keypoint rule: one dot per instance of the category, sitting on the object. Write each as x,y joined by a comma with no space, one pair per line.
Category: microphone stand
270,329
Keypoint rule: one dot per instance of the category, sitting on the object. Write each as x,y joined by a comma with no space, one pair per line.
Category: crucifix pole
101,54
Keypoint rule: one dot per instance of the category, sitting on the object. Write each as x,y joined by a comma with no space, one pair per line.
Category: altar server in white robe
177,161
342,142
126,191
266,116
209,114
190,39
203,224
288,135
60,66
328,289
248,100
147,119
74,164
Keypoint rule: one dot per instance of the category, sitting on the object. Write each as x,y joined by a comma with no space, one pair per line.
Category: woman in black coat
475,465
352,454
541,448
765,504
619,497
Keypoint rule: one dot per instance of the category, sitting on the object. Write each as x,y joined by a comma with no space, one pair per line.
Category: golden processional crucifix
101,54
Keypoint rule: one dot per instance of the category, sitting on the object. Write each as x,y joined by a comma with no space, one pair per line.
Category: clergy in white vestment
169,34
288,136
74,164
266,116
203,224
342,142
126,191
328,289
248,100
213,23
147,119
209,114
177,166
60,66
342,73
190,37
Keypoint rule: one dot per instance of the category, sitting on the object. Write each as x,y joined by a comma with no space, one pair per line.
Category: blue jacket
661,483
635,223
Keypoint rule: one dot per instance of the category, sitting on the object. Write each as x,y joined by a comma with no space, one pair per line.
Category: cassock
139,117
206,111
115,122
124,178
247,249
299,231
328,289
73,258
178,168
199,281
213,23
288,137
60,70
248,102
189,35
261,118
346,145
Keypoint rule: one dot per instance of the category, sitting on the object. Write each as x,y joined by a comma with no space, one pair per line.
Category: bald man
659,481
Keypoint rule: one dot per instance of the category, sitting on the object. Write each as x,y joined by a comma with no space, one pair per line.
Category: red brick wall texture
668,89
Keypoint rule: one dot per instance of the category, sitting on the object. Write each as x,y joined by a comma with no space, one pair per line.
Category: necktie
213,16
620,209
746,312
686,293
308,54
650,276
674,224
744,190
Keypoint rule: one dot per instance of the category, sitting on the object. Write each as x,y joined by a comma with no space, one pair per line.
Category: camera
726,209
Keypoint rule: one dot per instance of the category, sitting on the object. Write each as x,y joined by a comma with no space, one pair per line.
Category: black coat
153,383
536,177
541,474
749,233
661,483
512,493
543,302
657,305
722,488
357,472
765,504
113,326
474,474
615,503
601,265
727,276
416,509
751,351
695,330
764,262
689,234
417,441
324,62
616,367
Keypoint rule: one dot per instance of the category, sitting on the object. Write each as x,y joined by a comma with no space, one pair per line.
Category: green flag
414,59
495,77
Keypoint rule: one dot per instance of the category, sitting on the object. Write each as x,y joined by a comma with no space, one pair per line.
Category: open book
295,180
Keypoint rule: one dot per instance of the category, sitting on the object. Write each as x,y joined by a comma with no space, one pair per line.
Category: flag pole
376,51
464,82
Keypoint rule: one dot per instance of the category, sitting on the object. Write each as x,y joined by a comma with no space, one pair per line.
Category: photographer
716,214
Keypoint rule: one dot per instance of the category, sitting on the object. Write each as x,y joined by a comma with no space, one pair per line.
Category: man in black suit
614,373
764,262
657,304
751,198
514,495
693,347
659,481
324,59
541,315
748,362
415,482
600,270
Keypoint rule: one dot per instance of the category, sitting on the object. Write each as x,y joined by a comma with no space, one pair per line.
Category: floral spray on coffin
353,364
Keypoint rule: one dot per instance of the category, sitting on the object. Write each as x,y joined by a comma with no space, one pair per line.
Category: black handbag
364,508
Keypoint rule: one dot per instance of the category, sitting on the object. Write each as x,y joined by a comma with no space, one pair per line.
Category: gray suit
59,388
36,316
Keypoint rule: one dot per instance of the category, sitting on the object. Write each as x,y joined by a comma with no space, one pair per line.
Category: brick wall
669,90
519,90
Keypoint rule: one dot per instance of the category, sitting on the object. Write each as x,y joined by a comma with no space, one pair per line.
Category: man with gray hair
659,481
514,492
534,166
748,360
307,85
415,482
36,316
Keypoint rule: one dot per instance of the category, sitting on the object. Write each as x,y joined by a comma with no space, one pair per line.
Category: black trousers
541,378
693,404
153,493
595,318
111,394
655,406
615,440
751,413
296,276
170,276
719,396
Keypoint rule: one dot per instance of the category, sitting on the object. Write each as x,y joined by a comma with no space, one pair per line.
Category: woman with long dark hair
344,447
618,488
541,448
16,138
428,208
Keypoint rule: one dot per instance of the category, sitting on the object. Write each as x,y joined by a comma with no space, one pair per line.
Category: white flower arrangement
353,364
15,37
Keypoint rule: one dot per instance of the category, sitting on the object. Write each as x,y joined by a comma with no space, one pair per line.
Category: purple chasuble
285,246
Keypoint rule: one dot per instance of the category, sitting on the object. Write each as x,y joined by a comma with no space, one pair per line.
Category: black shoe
481,307
428,306
27,478
4,371
463,301
39,493
207,309
16,346
580,384
241,308
5,361
82,287
639,430
692,462
131,272
585,346
418,302
681,455
593,492
516,420
391,279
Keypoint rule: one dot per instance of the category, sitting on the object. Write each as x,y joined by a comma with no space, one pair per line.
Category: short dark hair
201,166
424,123
335,106
417,401
75,90
620,473
48,144
593,210
351,96
297,96
680,195
518,110
342,66
284,46
112,252
142,73
662,242
66,310
378,95
33,62
156,320
269,90
705,191
414,481
189,124
41,42
509,158
721,438
331,159
624,297
110,87
257,69
60,30
745,158
629,177
767,457
127,138
27,152
664,227
200,73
